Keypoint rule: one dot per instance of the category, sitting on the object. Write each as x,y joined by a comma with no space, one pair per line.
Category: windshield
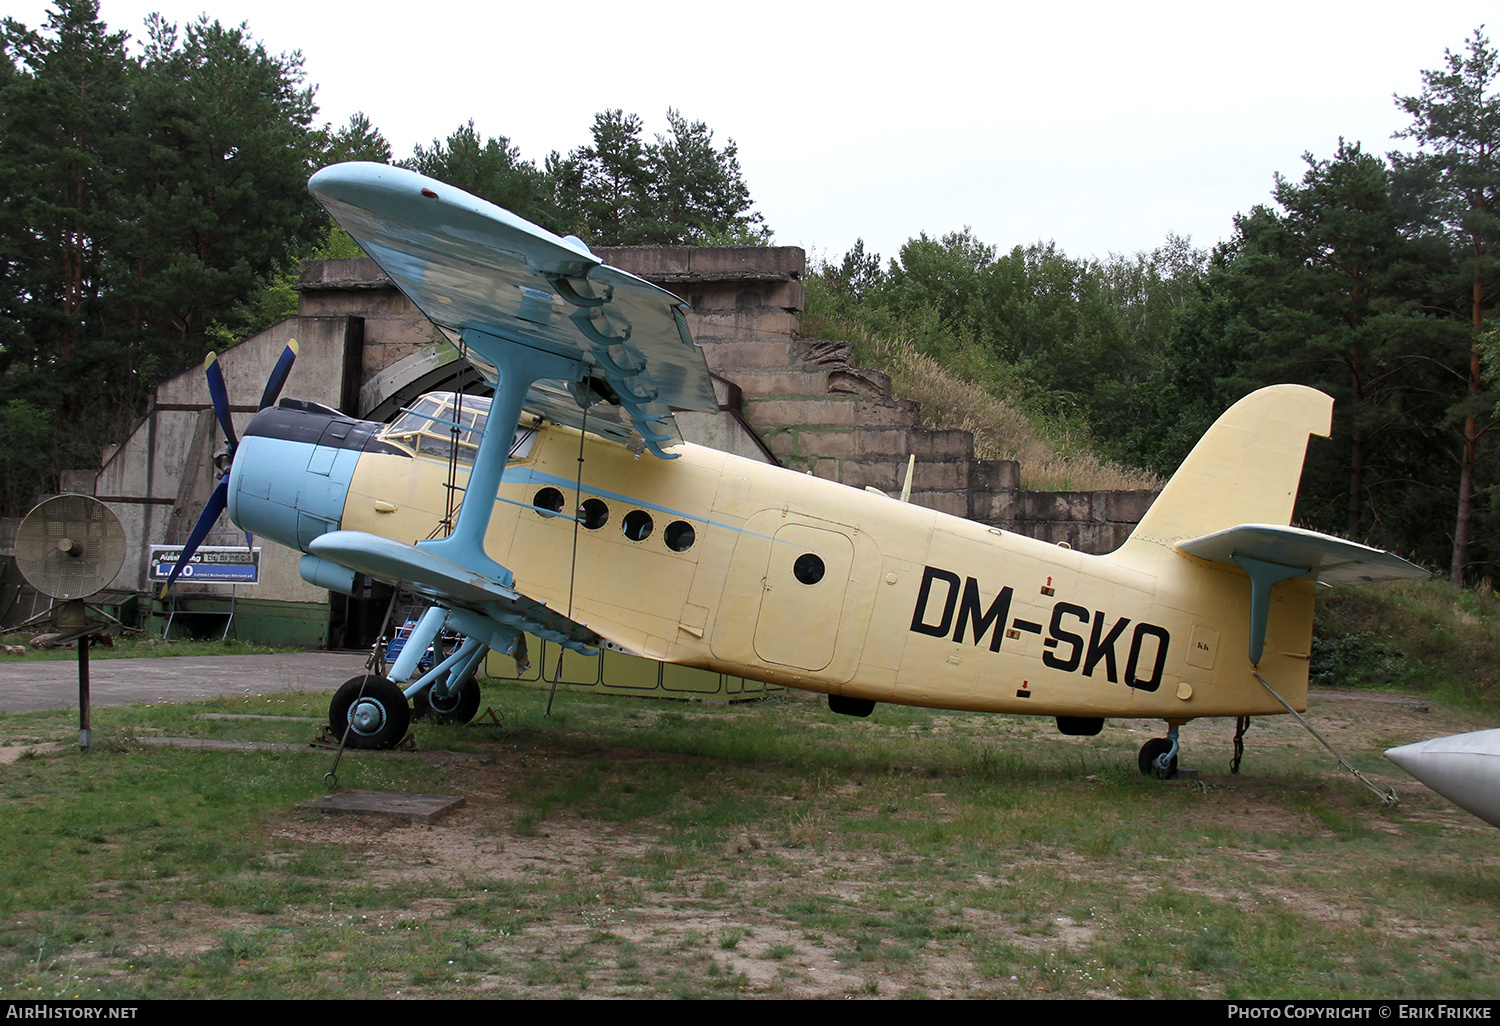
440,422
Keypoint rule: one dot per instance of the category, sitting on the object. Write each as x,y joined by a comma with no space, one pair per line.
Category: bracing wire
454,431
573,563
1388,796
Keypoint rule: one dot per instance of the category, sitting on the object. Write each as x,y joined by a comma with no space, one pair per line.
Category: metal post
83,693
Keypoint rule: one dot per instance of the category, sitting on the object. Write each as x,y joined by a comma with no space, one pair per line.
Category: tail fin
1244,470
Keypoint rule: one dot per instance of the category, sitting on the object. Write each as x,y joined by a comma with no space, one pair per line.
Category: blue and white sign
211,564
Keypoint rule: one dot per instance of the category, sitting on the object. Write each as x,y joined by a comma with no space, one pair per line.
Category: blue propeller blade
216,503
279,374
218,392
220,396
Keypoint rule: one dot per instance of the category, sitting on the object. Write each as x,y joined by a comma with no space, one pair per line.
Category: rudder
1244,470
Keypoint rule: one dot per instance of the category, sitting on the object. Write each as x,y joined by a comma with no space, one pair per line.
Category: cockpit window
440,421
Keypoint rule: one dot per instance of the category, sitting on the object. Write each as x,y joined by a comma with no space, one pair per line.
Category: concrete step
780,383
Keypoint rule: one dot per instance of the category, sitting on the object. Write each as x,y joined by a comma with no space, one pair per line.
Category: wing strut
465,544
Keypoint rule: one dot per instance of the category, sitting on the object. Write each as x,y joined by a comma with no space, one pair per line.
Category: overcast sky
1103,126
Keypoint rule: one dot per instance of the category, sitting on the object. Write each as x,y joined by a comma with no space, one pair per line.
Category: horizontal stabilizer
452,585
1321,557
1271,553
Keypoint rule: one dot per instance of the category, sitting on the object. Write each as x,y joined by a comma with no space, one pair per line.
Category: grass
1001,430
652,849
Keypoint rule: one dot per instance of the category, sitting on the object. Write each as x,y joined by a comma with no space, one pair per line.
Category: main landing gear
371,711
377,715
457,705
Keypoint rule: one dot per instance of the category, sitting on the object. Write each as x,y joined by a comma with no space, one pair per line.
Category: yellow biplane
584,520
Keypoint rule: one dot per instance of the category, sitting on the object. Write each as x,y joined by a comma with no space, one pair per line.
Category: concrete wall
391,330
733,292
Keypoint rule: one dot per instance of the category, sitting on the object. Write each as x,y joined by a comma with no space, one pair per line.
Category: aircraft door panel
1203,647
769,615
806,580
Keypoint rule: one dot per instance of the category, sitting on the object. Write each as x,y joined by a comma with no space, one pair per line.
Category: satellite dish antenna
68,548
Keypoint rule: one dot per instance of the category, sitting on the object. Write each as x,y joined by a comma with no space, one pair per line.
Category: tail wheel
455,707
1149,759
373,711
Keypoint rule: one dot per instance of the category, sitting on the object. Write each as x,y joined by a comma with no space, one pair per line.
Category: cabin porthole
593,514
809,568
548,502
637,525
679,536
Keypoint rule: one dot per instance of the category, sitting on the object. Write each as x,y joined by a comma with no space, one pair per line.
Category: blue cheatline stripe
526,475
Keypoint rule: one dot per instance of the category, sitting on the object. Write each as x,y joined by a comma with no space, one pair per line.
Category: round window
679,536
637,525
548,501
593,514
808,569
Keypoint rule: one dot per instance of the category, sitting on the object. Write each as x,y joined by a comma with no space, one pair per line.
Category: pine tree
679,190
63,103
1326,297
1454,186
699,193
138,199
358,140
222,147
614,200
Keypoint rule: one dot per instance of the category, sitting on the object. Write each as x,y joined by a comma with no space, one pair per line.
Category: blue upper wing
491,280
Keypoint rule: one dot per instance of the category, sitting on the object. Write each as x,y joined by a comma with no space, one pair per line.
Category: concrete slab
29,684
220,745
415,808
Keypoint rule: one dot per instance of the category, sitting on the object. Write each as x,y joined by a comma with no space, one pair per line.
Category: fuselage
719,562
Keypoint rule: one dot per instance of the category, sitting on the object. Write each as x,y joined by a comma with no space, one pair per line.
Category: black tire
456,708
373,711
1157,746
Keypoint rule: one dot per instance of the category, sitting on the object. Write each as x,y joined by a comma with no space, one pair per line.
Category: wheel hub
367,717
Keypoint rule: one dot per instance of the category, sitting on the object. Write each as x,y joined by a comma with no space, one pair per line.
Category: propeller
219,395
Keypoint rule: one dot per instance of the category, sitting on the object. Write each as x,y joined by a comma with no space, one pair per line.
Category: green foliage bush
1419,637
